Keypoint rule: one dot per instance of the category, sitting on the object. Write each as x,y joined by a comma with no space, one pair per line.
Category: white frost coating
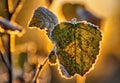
51,29
93,25
89,23
74,21
64,71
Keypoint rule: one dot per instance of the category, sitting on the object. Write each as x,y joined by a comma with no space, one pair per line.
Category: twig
5,61
19,6
6,25
8,36
39,70
11,7
10,57
9,53
10,15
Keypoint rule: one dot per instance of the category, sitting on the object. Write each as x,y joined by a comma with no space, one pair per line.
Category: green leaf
77,45
43,18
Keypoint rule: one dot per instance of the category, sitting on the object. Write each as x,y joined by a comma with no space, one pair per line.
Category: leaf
43,18
77,45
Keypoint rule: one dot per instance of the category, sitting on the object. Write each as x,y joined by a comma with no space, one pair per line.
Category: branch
17,9
11,7
39,70
6,25
5,61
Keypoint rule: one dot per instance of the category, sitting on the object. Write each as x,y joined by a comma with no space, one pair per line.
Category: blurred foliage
70,10
80,12
49,2
22,58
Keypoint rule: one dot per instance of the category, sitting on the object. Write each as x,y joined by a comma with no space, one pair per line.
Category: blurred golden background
106,14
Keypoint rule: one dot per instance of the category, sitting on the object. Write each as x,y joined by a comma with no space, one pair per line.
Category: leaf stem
39,70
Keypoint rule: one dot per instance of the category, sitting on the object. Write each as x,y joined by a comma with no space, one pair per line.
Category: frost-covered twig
6,25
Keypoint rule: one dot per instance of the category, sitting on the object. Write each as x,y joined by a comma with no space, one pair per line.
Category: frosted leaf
77,45
43,18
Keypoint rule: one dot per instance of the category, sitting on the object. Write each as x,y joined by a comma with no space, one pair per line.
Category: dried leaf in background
80,11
